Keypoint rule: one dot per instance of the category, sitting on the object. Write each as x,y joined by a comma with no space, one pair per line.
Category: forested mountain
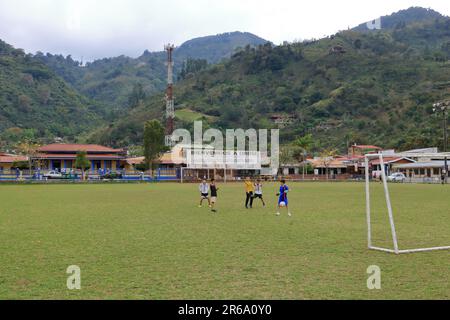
364,87
404,17
356,86
110,81
215,48
34,102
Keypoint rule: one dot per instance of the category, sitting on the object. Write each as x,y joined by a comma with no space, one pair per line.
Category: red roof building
62,156
7,161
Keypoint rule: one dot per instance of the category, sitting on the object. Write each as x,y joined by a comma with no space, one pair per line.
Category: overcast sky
105,28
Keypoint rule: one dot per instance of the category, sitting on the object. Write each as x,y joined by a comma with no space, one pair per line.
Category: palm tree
304,143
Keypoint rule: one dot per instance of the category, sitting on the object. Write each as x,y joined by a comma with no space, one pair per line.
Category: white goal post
396,249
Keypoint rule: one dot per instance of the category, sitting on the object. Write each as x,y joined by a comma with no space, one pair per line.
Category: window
97,164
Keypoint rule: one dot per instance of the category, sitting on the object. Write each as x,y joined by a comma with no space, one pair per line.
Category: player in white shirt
204,193
259,191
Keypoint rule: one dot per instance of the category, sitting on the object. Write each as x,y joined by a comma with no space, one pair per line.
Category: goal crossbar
396,249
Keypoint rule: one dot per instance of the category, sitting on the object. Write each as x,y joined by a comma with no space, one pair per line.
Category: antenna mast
170,105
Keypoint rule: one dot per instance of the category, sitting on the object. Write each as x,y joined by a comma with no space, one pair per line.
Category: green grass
150,241
190,115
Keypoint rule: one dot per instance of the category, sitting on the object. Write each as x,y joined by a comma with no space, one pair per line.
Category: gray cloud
104,28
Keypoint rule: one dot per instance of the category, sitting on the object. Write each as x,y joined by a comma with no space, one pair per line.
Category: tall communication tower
170,106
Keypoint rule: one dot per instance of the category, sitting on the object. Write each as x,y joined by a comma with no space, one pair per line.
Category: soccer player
259,192
214,190
249,190
283,198
204,193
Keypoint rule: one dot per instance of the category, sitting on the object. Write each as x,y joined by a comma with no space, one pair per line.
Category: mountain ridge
111,80
348,87
345,87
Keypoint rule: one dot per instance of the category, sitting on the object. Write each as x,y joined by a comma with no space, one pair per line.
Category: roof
424,150
366,147
333,164
391,160
8,158
136,160
61,147
295,164
173,157
66,156
440,155
421,165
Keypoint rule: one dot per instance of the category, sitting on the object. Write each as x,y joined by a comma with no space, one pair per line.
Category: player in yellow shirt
249,191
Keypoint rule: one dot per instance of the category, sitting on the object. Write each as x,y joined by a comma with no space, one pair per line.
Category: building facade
61,157
7,161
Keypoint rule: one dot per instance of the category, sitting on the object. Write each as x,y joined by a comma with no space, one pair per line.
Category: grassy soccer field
151,241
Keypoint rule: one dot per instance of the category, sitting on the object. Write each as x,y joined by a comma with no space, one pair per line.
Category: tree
137,96
327,157
24,102
29,149
154,144
192,66
82,163
304,143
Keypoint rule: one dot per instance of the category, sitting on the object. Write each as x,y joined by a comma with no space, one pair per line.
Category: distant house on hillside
282,120
337,50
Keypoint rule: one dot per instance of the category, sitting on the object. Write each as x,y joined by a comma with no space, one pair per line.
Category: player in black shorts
214,189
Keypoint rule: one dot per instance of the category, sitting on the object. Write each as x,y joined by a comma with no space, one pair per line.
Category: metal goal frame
396,249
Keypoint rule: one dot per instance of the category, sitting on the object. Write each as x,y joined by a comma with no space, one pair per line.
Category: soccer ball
283,204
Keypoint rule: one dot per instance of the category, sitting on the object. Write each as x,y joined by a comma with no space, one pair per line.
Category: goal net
396,249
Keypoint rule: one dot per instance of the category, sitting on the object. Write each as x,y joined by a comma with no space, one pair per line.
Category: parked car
397,177
111,176
53,175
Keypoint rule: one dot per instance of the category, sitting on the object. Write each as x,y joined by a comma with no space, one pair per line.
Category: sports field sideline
151,241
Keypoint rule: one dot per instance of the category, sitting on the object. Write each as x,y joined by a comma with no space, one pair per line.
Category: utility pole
442,107
170,105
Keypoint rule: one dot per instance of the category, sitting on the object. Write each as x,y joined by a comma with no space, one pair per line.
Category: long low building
62,156
429,164
429,169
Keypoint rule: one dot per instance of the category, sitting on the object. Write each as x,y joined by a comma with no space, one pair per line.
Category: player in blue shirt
283,198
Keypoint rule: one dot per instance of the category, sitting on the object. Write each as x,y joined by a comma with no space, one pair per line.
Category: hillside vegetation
353,87
34,102
357,86
111,80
